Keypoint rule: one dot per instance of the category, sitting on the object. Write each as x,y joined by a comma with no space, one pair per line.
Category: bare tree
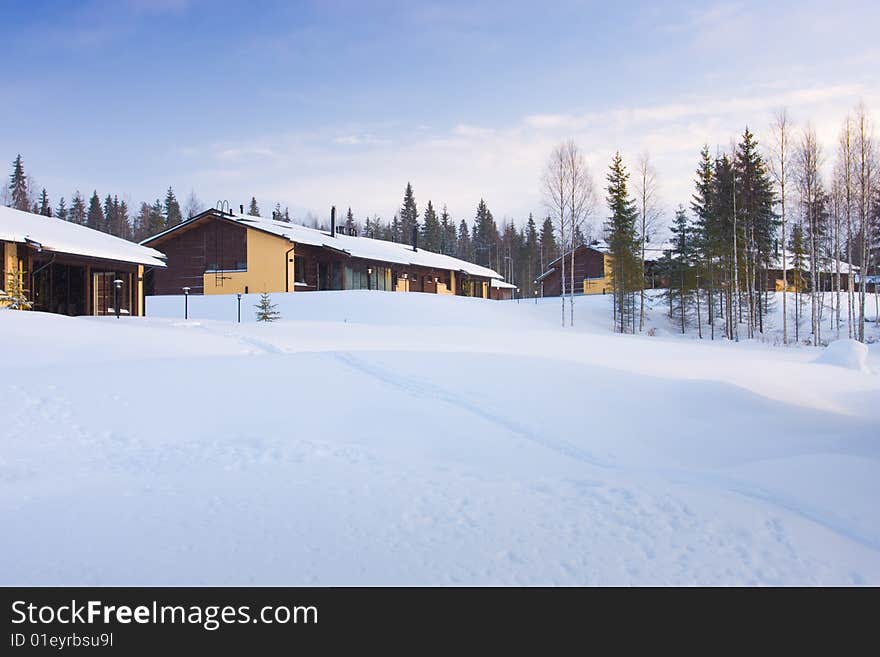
649,213
581,203
779,166
193,205
865,173
556,198
809,162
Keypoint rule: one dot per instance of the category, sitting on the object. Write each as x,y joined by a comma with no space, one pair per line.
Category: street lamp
369,278
239,307
185,302
517,295
118,289
536,297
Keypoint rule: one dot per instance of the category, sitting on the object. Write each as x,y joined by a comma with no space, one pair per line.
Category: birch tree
581,204
865,173
809,186
646,194
556,199
780,164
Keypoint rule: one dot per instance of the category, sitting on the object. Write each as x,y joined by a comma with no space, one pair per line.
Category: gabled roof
356,247
59,236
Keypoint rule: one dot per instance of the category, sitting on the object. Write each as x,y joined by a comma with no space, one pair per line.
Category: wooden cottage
65,268
216,252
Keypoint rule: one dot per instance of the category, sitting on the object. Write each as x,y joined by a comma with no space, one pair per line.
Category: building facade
64,268
217,252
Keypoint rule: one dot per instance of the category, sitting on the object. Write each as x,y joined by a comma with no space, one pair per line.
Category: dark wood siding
588,263
211,244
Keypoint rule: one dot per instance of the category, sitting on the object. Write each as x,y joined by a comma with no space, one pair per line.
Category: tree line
757,221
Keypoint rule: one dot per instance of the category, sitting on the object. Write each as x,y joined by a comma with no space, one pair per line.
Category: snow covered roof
504,285
56,235
828,265
357,247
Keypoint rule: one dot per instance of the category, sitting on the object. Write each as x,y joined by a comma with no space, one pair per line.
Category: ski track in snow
421,389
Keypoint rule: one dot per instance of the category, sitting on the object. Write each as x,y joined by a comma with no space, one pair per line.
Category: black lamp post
369,278
117,284
536,297
517,295
185,302
239,307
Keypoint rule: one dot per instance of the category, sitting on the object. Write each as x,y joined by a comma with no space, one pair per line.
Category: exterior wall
592,273
191,251
267,267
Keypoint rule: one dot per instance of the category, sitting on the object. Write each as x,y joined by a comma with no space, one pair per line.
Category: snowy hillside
380,438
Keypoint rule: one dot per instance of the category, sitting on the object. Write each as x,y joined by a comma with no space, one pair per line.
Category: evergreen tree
351,227
409,215
173,215
18,186
141,227
531,256
682,288
61,211
758,225
706,230
797,248
44,207
95,216
623,246
110,219
432,231
12,294
124,221
464,247
395,230
78,210
547,243
253,208
485,238
266,310
156,223
447,232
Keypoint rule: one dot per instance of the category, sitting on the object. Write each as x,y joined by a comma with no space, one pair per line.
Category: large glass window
106,294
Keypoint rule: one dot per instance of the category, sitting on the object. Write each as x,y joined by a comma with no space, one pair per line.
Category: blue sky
318,103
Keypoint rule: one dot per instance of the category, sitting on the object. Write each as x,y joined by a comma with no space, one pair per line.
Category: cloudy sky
319,103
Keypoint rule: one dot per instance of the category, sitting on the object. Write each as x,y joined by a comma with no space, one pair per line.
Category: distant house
70,269
217,252
501,290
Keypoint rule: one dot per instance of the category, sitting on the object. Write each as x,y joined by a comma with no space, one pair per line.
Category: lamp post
185,302
369,278
536,297
239,307
118,290
517,295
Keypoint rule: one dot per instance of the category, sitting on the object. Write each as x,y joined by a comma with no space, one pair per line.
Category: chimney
241,209
333,221
415,237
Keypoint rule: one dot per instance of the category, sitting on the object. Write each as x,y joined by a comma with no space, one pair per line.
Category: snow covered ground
381,438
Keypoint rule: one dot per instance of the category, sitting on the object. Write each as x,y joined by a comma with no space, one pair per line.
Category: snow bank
850,354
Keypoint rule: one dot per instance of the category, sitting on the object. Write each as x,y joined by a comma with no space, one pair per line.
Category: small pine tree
78,209
171,208
253,208
13,297
95,216
266,310
626,271
18,186
44,207
61,211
